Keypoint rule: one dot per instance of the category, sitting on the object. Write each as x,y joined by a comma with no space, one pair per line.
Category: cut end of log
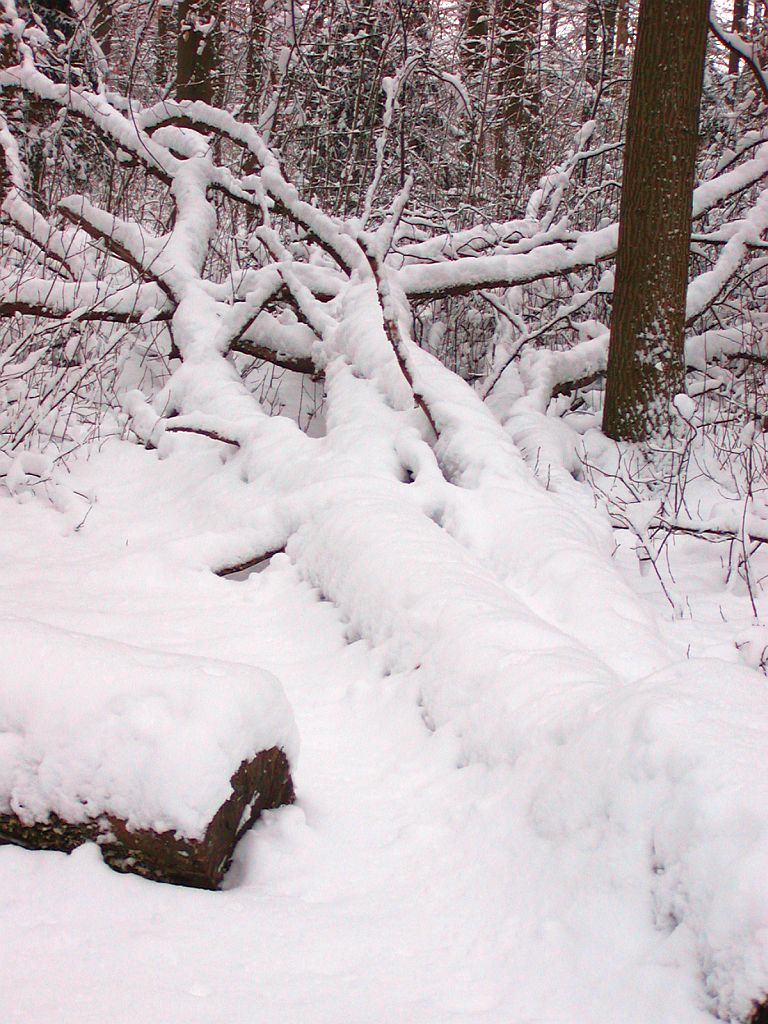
260,784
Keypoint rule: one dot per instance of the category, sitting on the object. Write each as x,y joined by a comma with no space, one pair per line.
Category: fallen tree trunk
260,784
163,760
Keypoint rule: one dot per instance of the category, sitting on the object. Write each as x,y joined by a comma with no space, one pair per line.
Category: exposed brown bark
165,67
103,25
740,14
248,563
517,34
212,435
197,51
259,784
622,30
296,363
15,308
646,361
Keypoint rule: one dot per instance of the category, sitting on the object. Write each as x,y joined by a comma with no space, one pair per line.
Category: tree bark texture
622,30
254,56
474,39
103,25
517,85
197,56
167,31
740,14
592,32
645,361
260,784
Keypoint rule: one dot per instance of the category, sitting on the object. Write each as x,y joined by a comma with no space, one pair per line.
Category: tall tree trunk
554,20
517,33
197,52
610,13
167,30
103,25
592,34
254,56
740,14
474,38
646,363
254,81
600,36
473,54
622,30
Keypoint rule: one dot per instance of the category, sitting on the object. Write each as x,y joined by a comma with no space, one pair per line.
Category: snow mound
657,786
665,780
91,727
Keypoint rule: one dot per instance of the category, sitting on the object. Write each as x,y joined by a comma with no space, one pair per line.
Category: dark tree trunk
517,32
622,29
592,32
103,25
554,20
197,53
740,14
600,37
645,363
474,39
254,56
167,27
473,54
610,13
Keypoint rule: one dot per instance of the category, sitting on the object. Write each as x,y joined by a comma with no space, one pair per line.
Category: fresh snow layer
91,727
610,868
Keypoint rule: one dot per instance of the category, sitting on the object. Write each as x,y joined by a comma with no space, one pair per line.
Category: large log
164,760
258,785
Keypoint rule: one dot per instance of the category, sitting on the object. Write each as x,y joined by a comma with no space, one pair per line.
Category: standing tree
646,362
165,61
197,54
517,31
622,29
103,25
740,13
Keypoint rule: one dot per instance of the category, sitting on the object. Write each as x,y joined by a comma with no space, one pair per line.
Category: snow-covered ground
410,883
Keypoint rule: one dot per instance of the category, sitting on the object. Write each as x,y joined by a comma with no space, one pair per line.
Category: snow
525,793
549,257
513,803
92,727
407,883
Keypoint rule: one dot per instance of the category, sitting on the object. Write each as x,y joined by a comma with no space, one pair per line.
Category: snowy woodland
384,511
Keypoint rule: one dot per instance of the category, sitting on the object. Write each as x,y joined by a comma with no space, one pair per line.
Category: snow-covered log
162,760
